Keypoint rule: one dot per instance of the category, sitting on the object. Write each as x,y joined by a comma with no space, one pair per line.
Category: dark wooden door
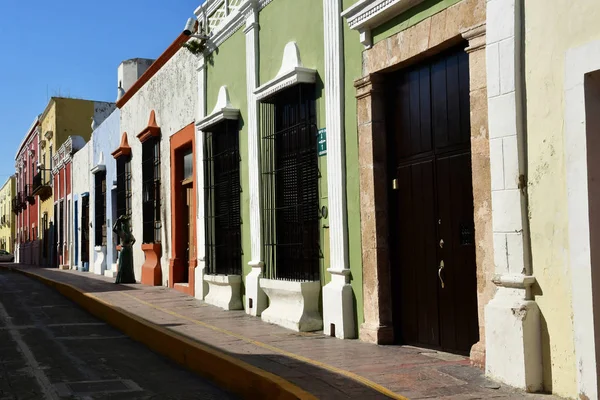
433,262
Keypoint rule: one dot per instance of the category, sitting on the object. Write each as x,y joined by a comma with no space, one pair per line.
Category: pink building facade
25,206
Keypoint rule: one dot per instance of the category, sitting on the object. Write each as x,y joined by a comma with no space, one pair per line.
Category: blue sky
73,48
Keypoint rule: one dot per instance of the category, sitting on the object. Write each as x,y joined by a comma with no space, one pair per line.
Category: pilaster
201,287
377,327
512,320
256,299
338,304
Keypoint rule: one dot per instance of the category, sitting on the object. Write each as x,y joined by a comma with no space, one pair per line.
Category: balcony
28,196
16,203
41,185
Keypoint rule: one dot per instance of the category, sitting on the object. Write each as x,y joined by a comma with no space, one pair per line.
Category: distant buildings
7,217
401,172
36,201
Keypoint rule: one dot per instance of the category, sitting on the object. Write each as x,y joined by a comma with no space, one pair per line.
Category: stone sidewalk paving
328,368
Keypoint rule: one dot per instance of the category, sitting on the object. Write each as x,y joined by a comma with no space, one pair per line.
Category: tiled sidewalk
326,367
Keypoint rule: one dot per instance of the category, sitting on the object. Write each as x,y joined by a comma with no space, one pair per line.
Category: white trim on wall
251,32
365,15
338,305
223,110
292,72
201,289
578,62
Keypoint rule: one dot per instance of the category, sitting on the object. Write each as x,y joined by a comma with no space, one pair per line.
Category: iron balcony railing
16,203
27,195
41,185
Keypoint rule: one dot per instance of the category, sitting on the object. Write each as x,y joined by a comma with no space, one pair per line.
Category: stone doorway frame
462,22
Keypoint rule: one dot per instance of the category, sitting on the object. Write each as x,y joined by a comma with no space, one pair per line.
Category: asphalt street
52,349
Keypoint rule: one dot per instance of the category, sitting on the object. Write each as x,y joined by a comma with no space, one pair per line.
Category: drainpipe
521,106
512,317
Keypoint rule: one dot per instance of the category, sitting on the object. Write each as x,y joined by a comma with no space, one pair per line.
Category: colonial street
321,366
50,349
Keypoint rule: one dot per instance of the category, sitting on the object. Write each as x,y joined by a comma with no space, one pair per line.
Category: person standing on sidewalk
122,229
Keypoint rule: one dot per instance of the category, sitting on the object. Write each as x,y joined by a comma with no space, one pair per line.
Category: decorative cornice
124,149
368,14
30,134
367,85
152,130
64,154
475,35
220,116
263,3
223,110
250,26
291,73
228,26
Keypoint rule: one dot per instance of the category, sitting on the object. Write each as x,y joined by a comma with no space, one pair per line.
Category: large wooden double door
433,263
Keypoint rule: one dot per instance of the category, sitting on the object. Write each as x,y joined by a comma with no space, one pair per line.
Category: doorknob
440,273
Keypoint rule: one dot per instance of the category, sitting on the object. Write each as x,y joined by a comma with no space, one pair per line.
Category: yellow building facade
561,67
7,217
63,117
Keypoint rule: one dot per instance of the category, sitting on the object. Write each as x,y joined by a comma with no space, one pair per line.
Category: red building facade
25,206
63,201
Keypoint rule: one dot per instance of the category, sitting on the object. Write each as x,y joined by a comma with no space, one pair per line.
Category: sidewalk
325,367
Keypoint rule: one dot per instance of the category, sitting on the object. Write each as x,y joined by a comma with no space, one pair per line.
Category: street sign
322,142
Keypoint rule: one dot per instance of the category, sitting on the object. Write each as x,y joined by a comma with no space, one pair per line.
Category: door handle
440,273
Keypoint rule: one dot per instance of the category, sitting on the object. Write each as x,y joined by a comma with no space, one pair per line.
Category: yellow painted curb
228,372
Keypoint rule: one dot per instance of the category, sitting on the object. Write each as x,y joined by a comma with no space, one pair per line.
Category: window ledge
100,167
292,72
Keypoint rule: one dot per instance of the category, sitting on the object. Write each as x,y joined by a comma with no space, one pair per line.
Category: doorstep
324,366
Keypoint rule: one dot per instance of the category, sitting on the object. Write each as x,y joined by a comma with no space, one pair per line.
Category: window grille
151,190
124,186
45,235
61,222
222,205
290,183
100,208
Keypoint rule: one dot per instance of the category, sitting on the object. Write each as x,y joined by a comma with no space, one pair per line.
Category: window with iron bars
100,209
61,222
290,185
222,192
123,188
45,235
151,190
85,232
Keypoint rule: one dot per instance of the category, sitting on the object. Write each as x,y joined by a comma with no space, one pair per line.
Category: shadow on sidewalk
86,281
320,382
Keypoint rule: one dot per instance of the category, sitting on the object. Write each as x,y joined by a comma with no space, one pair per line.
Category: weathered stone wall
172,94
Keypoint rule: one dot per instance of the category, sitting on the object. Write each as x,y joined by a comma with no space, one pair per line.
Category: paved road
51,349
